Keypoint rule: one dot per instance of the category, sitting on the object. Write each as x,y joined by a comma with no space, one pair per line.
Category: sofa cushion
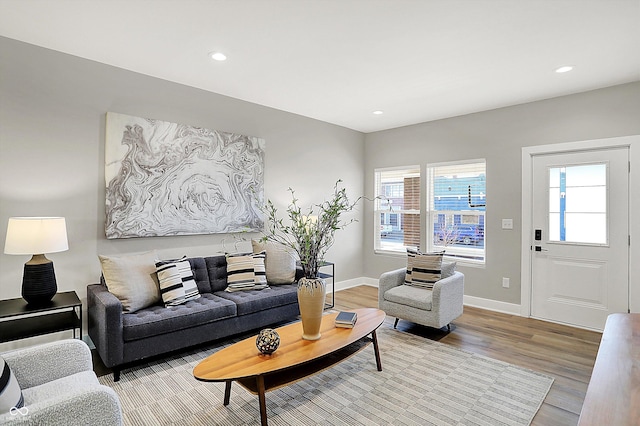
157,320
10,393
132,279
176,281
280,263
217,271
415,297
251,301
200,274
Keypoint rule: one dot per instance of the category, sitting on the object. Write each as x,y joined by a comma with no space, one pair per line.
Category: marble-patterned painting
172,179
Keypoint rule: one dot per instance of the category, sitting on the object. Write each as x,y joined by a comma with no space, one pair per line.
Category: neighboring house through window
456,201
456,197
397,209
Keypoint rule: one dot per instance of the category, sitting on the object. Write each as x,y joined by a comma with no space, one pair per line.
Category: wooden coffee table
294,359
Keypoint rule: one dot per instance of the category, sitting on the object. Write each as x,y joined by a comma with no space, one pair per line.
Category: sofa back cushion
200,274
217,270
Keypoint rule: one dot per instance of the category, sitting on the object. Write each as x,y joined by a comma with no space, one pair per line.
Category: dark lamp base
39,283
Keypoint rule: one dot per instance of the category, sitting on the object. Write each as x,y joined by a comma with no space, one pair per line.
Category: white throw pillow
132,279
280,263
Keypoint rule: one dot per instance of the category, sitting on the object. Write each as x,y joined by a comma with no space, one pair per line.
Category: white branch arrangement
310,233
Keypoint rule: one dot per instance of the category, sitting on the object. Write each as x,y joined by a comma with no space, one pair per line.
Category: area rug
422,383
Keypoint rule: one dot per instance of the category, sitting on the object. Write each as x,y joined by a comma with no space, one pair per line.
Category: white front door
580,251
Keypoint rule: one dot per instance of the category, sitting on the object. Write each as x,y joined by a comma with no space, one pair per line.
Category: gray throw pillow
448,269
280,261
132,279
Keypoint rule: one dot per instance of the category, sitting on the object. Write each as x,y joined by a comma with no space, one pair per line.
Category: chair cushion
10,393
76,383
415,297
251,301
157,320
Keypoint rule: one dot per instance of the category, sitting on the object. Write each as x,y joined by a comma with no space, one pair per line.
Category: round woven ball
268,341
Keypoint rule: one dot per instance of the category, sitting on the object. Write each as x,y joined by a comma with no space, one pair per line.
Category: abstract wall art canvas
168,179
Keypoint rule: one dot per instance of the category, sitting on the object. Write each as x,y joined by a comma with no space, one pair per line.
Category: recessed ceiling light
566,68
218,56
378,112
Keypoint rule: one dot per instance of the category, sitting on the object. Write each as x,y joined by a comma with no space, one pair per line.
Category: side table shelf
18,320
331,276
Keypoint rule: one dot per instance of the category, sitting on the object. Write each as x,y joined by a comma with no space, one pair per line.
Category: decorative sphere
268,341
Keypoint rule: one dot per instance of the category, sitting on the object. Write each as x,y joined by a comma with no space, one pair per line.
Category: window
578,204
456,200
397,209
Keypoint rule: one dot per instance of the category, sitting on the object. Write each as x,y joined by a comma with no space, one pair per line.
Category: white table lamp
36,236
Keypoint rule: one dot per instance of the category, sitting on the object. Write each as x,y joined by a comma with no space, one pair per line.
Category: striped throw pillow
411,254
240,270
426,270
10,392
246,270
177,285
259,268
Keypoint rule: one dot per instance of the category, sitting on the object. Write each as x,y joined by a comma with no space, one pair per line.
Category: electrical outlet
505,282
507,223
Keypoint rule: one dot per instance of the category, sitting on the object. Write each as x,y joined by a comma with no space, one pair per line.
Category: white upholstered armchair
433,308
59,387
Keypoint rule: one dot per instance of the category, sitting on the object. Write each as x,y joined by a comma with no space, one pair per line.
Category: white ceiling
339,60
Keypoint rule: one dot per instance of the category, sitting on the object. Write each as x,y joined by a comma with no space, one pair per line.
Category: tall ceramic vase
311,295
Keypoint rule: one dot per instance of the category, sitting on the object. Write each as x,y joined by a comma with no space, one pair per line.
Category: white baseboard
476,302
355,282
492,305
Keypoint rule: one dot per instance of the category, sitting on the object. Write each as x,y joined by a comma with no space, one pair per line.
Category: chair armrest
105,324
50,361
449,292
389,280
97,406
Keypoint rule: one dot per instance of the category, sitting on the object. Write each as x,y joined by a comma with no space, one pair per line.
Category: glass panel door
578,204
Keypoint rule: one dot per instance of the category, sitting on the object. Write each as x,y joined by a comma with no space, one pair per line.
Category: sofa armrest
448,293
388,280
50,361
105,324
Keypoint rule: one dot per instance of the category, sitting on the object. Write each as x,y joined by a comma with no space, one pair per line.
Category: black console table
19,320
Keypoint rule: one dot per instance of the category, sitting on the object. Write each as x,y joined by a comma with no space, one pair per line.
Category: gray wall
498,136
52,119
52,116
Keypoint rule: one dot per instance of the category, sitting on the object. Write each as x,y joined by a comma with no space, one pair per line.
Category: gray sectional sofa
122,338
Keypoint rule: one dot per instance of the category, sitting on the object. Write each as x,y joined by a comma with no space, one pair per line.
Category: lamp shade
36,235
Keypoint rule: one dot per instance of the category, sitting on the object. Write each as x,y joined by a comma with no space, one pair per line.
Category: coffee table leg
227,392
262,400
376,350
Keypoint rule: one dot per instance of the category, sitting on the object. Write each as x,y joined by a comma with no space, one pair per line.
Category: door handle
539,248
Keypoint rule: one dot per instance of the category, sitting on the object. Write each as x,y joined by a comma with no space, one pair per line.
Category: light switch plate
507,223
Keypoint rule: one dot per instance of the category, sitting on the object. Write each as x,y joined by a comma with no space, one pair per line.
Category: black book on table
346,319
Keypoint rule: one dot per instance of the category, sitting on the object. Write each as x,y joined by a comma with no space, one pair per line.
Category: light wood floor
565,353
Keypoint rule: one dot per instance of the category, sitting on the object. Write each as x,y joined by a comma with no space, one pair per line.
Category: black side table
18,320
